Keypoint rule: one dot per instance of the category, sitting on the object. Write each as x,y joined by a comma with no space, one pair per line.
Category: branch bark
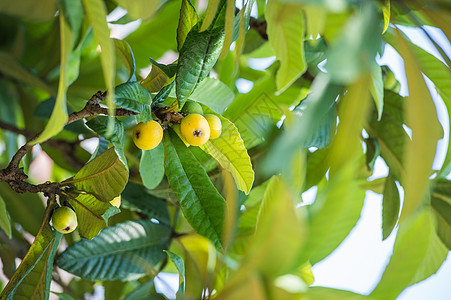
15,176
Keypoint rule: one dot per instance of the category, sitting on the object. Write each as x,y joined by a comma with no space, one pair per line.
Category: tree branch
15,176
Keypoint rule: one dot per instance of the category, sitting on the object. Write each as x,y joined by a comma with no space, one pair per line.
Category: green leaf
386,12
29,279
279,232
125,54
255,112
104,177
197,57
156,36
228,27
321,137
417,254
390,134
92,214
151,166
8,111
354,51
377,88
180,265
286,33
26,209
390,207
125,251
159,76
28,9
319,293
117,138
141,9
135,197
440,75
229,150
59,115
96,13
134,97
441,206
11,67
421,116
210,14
214,94
5,222
322,96
201,203
143,291
188,18
337,207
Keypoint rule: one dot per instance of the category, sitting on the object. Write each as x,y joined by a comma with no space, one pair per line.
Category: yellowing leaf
59,115
96,13
229,151
421,116
210,14
104,177
286,34
386,12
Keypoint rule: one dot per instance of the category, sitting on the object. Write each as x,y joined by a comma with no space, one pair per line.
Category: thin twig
15,176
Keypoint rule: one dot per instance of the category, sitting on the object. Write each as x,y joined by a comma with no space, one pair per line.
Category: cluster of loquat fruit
195,128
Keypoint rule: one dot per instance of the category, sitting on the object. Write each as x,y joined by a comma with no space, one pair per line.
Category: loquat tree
128,147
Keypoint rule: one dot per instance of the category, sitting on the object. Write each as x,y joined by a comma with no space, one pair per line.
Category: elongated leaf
417,254
197,57
390,134
59,115
28,281
26,209
421,116
105,176
117,138
229,150
377,88
390,207
200,260
440,75
92,214
125,54
143,292
255,112
140,9
279,233
286,33
214,94
180,265
134,97
386,12
354,51
337,207
318,293
210,14
188,18
135,197
5,222
151,166
125,251
14,69
96,12
159,76
323,95
201,203
441,206
228,27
